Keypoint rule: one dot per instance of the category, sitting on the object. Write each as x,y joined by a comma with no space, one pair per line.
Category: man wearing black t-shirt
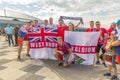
16,28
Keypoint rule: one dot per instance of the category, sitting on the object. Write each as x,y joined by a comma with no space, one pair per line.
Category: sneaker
104,64
107,74
19,58
16,44
60,64
114,77
116,62
97,62
73,61
28,55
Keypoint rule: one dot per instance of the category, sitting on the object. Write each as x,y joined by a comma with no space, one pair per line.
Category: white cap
113,32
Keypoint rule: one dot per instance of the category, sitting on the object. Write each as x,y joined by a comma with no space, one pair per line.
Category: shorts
62,57
26,37
20,41
99,47
118,59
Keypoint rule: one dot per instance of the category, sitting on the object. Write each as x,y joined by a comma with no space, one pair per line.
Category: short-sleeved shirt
52,26
35,29
103,33
25,30
110,30
61,30
9,30
91,30
118,35
64,48
36,26
109,42
16,29
46,26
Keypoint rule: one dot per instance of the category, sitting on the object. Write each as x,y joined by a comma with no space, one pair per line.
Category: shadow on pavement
76,71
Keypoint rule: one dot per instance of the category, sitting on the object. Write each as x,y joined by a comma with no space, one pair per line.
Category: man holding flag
23,36
63,49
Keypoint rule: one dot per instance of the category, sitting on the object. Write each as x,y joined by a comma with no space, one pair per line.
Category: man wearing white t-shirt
46,24
35,26
51,25
35,23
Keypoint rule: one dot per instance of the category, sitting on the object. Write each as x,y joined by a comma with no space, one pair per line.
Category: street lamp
52,12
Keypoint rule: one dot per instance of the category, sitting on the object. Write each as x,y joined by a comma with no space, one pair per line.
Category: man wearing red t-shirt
61,29
101,43
91,29
64,50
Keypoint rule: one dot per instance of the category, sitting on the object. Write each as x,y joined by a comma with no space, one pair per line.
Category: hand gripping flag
21,36
72,18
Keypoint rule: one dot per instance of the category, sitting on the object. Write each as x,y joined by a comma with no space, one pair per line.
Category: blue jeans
10,39
64,56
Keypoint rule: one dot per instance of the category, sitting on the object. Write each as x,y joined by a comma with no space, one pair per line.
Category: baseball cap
113,32
117,22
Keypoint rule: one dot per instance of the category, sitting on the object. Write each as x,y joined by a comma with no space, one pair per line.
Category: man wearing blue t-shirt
9,31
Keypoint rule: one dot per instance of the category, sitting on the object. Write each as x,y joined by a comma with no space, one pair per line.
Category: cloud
24,2
88,9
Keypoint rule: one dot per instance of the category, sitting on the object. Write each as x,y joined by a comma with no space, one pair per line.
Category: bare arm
116,43
59,51
76,26
70,51
107,46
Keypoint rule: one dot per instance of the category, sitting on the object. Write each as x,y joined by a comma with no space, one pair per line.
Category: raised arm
81,21
76,26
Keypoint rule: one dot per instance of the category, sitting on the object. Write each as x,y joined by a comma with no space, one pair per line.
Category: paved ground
27,69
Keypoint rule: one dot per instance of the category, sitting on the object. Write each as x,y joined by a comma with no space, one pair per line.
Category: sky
105,11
